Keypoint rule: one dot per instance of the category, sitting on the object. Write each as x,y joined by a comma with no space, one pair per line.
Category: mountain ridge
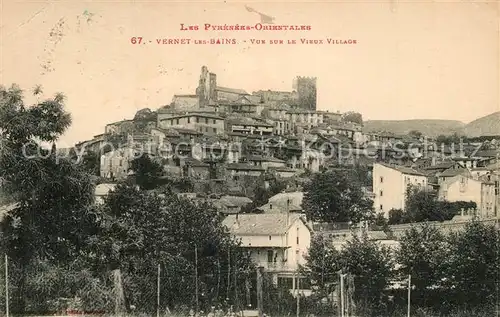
486,125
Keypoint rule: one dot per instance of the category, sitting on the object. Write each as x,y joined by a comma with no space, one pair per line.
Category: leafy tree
147,172
52,218
415,134
423,205
420,255
472,265
91,162
336,196
322,265
141,229
352,116
371,267
397,216
382,222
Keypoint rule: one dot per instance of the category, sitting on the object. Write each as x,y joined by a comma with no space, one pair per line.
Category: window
177,121
189,120
206,120
381,179
381,207
270,238
270,256
381,193
215,121
297,236
215,130
197,120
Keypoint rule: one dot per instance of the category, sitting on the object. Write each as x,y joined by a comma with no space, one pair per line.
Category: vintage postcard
230,158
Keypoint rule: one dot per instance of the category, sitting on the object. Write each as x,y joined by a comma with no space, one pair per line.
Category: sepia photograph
249,159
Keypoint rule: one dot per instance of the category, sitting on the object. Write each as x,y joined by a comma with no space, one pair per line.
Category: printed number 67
136,40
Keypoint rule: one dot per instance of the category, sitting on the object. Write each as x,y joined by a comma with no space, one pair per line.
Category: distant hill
484,126
429,127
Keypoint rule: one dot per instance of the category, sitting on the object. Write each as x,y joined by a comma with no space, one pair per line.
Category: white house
390,183
464,188
276,241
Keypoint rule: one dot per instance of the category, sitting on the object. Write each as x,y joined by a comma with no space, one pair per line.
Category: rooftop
403,169
451,172
232,90
243,167
260,224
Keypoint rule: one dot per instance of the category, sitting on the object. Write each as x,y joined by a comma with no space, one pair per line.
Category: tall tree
141,229
336,196
471,265
147,172
420,255
370,266
51,219
352,116
322,265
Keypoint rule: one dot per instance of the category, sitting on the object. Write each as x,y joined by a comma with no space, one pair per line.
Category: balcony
277,266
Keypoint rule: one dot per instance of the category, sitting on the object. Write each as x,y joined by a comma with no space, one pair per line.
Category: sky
411,60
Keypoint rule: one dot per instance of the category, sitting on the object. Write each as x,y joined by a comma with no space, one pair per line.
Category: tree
336,196
141,229
322,265
472,265
352,116
420,255
415,134
397,216
423,205
371,267
147,172
51,220
91,162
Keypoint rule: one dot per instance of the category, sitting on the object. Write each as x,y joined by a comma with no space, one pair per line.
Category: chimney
287,212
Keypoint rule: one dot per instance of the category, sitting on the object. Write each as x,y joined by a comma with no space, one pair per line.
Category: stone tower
306,91
206,87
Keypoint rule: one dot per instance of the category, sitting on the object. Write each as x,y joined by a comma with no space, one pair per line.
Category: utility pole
409,295
260,298
228,273
158,293
6,286
342,309
347,297
297,286
235,278
196,276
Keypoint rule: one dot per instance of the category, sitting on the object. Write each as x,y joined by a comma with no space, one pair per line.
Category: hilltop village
223,138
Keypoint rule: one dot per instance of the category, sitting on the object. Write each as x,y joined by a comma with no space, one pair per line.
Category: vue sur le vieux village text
236,28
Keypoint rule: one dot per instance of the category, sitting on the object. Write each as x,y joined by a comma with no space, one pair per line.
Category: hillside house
277,242
203,123
265,162
238,170
390,184
249,126
466,188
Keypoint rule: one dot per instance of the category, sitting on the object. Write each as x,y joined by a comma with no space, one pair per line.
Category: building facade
390,184
278,242
465,188
203,123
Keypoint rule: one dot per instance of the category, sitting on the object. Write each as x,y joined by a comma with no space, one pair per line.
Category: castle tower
306,91
206,87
